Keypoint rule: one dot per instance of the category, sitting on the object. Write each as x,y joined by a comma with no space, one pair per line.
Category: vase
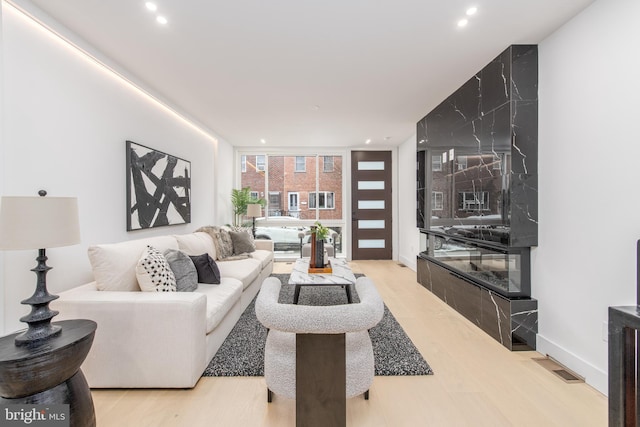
319,259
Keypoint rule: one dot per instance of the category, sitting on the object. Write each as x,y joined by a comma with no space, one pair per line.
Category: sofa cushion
220,299
242,242
207,269
248,230
154,273
265,257
245,270
196,243
184,270
114,264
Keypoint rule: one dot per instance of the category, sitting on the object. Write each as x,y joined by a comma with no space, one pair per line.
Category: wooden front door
371,205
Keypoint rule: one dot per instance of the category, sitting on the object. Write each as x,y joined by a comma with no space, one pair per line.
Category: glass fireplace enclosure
505,270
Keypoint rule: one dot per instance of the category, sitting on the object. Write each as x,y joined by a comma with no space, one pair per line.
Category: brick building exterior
292,184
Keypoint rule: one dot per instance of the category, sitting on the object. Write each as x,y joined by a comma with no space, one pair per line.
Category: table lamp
254,210
38,223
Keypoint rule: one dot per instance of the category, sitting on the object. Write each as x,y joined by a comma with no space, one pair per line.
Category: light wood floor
477,382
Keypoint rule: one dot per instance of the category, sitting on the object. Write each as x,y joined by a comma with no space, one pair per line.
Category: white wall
2,316
408,234
589,171
66,120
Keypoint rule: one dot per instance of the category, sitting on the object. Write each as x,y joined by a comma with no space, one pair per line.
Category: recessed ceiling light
263,141
368,141
462,23
472,11
161,20
151,6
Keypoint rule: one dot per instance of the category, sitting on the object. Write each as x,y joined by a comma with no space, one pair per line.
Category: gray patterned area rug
242,353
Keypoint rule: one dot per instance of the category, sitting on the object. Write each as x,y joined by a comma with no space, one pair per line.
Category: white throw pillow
197,243
114,264
154,273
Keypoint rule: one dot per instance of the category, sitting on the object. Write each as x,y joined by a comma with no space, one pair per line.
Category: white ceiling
307,72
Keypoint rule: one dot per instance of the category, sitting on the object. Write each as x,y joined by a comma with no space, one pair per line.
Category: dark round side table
49,372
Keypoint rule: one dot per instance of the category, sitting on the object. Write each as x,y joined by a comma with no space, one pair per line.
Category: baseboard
593,376
409,262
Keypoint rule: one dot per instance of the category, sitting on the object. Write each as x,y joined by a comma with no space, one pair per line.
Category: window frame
303,166
434,201
325,163
261,158
438,163
314,199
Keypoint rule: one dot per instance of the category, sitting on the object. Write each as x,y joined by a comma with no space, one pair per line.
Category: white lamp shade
38,222
254,210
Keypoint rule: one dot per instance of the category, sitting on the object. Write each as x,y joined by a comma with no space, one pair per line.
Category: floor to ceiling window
297,190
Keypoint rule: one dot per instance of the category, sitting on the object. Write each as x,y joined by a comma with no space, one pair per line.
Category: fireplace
477,197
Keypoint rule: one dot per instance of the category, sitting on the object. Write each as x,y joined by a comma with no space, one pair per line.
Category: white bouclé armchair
286,320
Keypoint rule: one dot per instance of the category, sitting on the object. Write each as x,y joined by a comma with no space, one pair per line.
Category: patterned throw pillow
226,244
154,273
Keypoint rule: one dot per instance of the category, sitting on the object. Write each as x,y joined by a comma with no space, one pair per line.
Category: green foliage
240,199
322,232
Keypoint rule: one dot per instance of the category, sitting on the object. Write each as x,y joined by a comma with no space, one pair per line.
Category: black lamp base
39,320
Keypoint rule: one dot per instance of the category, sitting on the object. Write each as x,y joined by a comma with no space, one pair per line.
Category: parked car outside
286,237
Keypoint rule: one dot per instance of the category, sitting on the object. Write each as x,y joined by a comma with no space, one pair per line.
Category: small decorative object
158,188
319,261
312,241
254,210
39,223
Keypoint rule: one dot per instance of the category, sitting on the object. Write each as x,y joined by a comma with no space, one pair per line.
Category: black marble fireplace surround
477,186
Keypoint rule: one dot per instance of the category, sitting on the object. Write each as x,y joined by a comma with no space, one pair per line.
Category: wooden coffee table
341,276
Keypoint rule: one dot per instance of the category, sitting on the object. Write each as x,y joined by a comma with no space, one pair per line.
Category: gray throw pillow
242,243
184,270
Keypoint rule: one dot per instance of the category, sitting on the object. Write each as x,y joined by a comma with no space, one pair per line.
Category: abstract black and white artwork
158,188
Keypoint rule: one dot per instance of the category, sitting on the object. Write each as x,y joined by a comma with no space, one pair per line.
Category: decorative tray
321,270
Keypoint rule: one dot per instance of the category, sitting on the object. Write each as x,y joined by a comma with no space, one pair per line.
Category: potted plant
321,233
240,199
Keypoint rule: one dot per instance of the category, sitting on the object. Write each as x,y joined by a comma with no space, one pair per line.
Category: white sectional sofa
159,339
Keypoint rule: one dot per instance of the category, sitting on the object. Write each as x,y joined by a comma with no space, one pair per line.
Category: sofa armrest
143,339
264,244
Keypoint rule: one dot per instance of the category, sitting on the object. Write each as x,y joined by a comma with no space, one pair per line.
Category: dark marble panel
493,114
524,322
524,210
512,322
496,82
466,138
524,139
524,72
496,131
496,318
421,188
466,101
421,135
463,296
424,275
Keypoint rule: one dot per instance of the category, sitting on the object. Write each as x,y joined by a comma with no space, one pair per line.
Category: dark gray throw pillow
207,269
242,243
184,270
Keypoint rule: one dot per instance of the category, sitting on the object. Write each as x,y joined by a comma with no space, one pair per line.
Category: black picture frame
158,188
